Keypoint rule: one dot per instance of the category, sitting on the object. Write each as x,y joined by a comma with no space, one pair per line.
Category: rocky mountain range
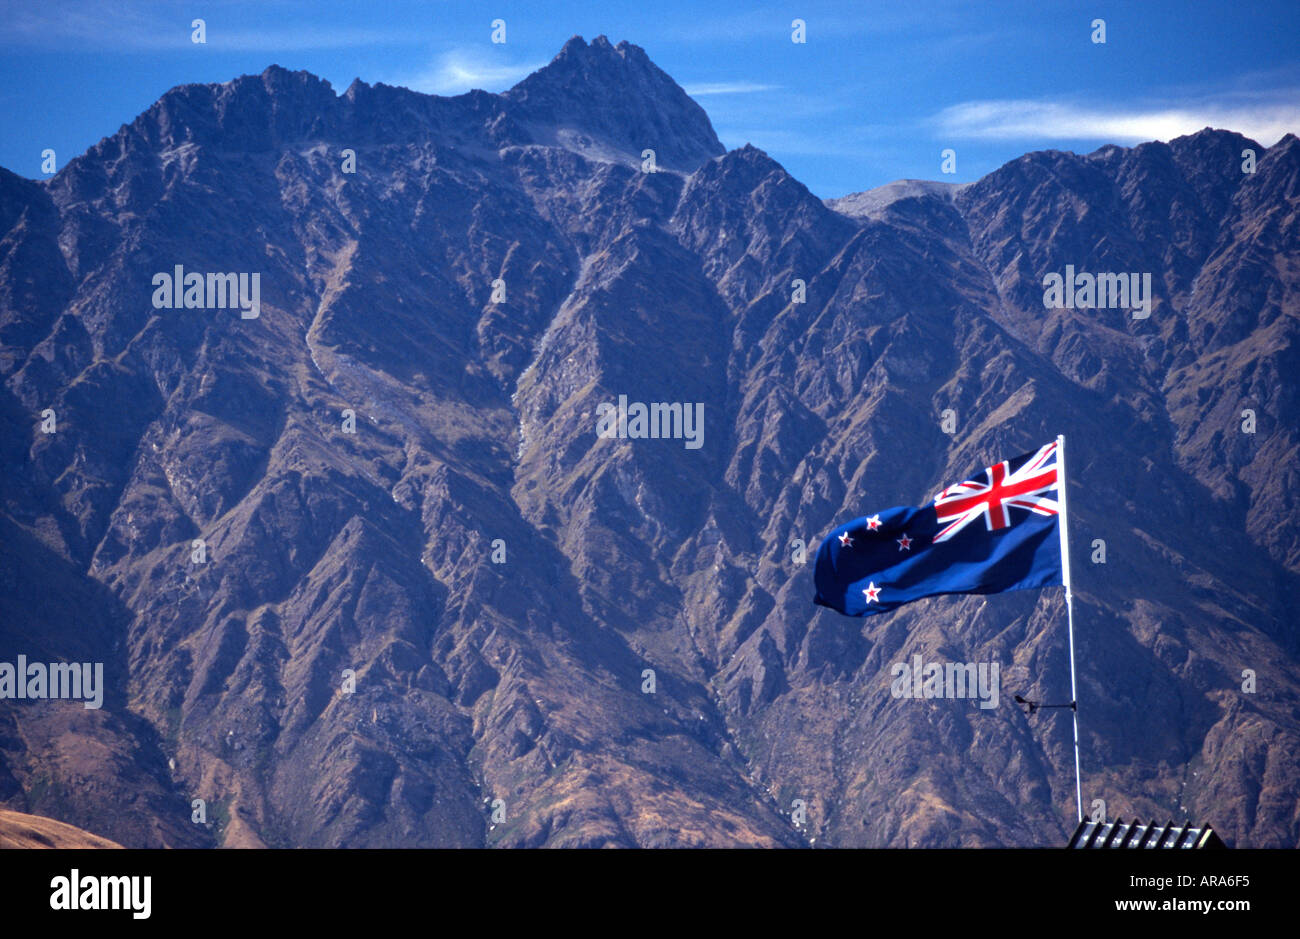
361,571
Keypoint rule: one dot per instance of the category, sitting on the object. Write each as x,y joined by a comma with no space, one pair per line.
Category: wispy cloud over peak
704,89
1267,118
463,69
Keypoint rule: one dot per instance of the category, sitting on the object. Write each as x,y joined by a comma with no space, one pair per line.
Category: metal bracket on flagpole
1037,705
1069,615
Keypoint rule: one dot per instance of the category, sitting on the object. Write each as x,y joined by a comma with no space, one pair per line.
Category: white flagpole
1069,614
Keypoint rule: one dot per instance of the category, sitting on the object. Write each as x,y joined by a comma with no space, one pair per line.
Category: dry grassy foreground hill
18,830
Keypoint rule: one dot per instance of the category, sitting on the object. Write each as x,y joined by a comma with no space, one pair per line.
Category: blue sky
875,94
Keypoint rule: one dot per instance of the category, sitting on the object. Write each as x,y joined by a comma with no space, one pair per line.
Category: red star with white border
872,592
845,540
904,543
874,522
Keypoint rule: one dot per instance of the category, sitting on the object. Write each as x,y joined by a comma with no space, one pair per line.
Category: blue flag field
997,531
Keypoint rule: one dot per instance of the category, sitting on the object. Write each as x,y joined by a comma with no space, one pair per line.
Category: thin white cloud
726,88
460,70
1266,118
131,26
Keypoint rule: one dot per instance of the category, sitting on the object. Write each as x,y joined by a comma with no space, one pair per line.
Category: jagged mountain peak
748,175
277,78
743,169
1211,137
247,113
873,202
617,98
578,49
284,86
607,102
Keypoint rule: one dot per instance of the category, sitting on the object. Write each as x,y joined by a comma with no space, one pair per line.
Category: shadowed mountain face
362,573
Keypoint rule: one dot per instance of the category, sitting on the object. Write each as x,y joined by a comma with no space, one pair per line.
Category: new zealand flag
994,532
